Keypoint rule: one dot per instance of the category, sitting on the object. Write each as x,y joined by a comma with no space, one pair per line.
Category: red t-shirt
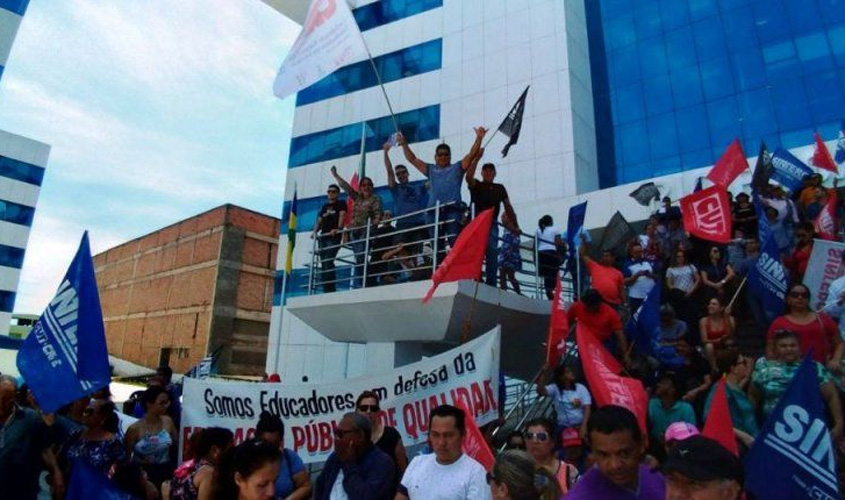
606,280
603,323
817,335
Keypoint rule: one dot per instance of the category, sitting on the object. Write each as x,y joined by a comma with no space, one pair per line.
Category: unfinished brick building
176,294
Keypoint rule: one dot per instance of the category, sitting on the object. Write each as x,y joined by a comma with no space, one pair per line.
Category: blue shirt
409,198
291,466
445,183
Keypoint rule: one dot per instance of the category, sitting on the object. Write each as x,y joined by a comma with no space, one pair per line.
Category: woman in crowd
716,328
797,261
293,481
514,477
386,438
366,210
736,369
682,279
152,441
771,378
815,331
716,275
652,247
540,443
97,443
193,480
247,472
572,400
509,259
548,244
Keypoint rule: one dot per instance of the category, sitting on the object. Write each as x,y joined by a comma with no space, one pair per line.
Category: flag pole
738,289
381,85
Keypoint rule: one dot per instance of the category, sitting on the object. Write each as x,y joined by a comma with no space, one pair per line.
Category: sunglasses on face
799,295
537,436
340,433
368,408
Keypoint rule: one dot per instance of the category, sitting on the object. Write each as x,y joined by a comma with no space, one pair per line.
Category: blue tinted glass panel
696,159
418,125
663,136
680,48
831,11
836,37
693,130
394,66
756,113
827,99
653,59
739,26
11,256
629,104
709,39
7,301
770,21
748,69
675,14
16,6
686,87
620,32
790,101
627,66
724,123
700,9
647,19
1,71
658,95
814,53
716,78
386,11
803,16
16,213
20,171
634,143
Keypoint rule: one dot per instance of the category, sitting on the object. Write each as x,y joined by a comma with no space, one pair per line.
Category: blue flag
793,455
87,483
64,358
762,221
644,325
789,171
840,146
574,225
768,279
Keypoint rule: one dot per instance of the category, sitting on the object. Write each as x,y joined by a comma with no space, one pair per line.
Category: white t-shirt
338,493
425,479
546,239
569,405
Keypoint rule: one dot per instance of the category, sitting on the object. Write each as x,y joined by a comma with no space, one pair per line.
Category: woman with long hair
548,244
366,210
815,330
716,328
152,441
515,477
716,274
194,479
97,444
540,443
247,472
683,280
293,481
386,438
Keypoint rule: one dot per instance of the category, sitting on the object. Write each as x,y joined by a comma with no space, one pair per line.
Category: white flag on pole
330,39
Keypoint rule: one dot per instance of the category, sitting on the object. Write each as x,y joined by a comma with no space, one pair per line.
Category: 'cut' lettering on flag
465,258
731,164
64,358
707,214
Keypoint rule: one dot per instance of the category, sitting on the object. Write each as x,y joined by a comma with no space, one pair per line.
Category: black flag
762,170
645,193
513,122
617,234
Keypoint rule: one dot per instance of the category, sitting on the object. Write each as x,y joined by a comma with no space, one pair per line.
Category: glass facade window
676,80
16,213
16,6
309,207
11,256
7,301
383,12
20,171
417,125
394,66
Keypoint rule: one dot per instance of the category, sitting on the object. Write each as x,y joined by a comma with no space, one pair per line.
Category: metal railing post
313,264
537,294
436,237
366,252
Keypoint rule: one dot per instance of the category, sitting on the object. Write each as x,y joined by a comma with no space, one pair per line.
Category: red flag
474,443
464,259
558,329
718,424
825,222
349,201
609,388
821,156
730,165
707,214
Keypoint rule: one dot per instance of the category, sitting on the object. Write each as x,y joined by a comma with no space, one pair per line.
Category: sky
155,111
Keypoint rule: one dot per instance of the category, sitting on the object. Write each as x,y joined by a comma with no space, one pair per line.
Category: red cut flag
464,259
718,424
609,388
707,214
821,156
558,328
349,201
825,222
730,165
474,443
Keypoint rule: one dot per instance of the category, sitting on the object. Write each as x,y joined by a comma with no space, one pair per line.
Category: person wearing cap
618,449
676,432
667,407
601,319
744,215
699,468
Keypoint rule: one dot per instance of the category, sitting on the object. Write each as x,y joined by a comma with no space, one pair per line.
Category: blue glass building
674,81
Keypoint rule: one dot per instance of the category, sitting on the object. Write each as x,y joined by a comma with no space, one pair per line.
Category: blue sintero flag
87,483
64,358
644,325
768,279
793,456
574,225
840,146
789,171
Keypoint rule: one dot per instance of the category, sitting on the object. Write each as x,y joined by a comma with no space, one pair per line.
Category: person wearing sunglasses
357,469
97,444
328,229
540,444
367,209
815,330
515,477
386,438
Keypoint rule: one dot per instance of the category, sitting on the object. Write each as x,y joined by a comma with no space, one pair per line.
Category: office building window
383,12
20,171
7,301
11,256
16,213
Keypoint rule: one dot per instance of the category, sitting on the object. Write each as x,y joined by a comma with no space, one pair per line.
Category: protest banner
469,374
824,266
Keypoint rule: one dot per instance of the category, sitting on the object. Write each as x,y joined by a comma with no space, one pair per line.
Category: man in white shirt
445,474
